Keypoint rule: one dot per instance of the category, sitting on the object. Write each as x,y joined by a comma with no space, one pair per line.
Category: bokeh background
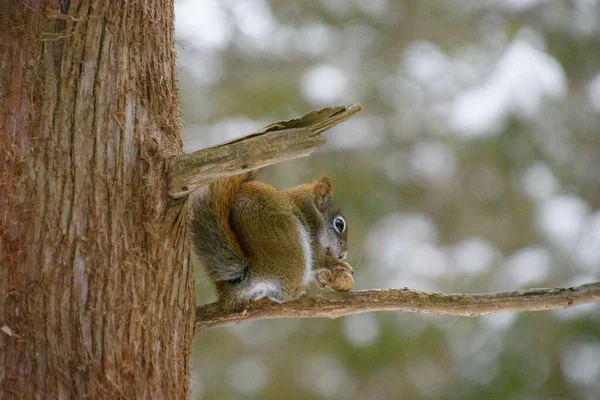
475,167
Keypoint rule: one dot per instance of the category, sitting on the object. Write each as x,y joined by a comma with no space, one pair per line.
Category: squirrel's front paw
338,278
343,266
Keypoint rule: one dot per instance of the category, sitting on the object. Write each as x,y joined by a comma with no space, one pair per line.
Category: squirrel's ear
322,191
325,181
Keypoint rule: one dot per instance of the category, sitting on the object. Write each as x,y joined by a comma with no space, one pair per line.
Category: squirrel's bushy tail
213,240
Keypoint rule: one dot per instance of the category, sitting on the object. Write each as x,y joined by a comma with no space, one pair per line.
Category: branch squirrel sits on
256,241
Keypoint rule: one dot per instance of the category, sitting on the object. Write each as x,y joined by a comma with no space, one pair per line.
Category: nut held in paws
341,281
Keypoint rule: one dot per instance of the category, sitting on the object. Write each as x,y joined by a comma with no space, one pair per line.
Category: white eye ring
337,221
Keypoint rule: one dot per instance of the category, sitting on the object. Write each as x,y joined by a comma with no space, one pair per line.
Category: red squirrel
255,241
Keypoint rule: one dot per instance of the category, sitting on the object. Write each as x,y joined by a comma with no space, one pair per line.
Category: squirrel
255,241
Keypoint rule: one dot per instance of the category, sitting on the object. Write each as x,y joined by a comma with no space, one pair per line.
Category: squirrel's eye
339,223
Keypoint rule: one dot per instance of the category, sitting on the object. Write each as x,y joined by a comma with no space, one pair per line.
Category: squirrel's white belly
309,274
265,288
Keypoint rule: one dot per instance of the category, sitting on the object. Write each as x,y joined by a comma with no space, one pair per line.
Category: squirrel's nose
343,255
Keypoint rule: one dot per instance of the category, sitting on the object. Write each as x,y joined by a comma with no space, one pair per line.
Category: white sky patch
248,375
326,376
375,8
561,218
474,352
585,17
538,182
467,342
204,67
425,62
522,80
498,321
252,334
433,160
315,39
581,363
358,133
422,260
362,37
530,265
472,255
204,24
518,5
407,241
202,136
593,92
389,235
361,330
323,85
279,44
197,385
396,167
253,18
587,250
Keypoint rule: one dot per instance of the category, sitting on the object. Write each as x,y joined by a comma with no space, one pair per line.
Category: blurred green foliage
435,198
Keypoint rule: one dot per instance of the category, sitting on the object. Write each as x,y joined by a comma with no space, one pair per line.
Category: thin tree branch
280,141
336,304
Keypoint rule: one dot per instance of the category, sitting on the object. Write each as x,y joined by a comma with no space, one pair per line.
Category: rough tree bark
96,297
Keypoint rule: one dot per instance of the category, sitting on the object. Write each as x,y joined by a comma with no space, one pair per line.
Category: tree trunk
96,295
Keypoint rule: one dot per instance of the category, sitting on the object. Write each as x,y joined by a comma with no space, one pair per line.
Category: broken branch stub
280,141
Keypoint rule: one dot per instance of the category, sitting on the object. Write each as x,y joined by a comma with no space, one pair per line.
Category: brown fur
246,234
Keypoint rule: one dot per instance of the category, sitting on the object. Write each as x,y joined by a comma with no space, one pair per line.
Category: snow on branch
338,304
